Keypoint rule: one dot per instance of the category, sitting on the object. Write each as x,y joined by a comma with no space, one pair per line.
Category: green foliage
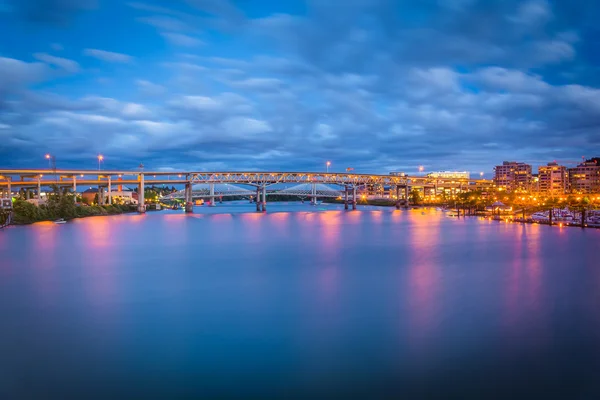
61,205
25,212
415,197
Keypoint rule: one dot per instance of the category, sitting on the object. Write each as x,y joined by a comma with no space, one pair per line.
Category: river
299,302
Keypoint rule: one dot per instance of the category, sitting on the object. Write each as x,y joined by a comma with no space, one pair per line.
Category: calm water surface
302,302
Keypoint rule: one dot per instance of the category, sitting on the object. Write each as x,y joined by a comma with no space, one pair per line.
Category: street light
328,163
421,168
481,174
100,159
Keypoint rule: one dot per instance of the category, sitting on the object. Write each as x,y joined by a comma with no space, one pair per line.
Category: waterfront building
450,174
122,196
513,176
89,195
585,178
553,179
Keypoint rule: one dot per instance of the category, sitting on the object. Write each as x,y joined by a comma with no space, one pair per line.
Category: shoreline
507,218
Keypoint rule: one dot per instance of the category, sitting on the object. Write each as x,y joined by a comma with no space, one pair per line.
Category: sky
374,85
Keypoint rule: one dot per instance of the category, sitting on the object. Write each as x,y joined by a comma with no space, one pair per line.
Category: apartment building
585,178
553,179
513,176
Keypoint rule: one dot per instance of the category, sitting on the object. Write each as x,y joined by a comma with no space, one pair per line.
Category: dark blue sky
376,85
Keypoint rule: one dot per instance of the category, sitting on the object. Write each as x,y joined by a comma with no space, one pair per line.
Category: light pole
421,169
481,175
100,159
328,163
48,157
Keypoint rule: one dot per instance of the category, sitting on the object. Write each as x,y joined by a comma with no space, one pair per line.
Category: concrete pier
264,198
75,188
257,198
345,197
109,191
39,188
212,194
354,198
141,200
189,205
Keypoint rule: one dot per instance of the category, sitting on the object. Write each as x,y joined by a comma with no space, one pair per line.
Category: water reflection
423,278
284,300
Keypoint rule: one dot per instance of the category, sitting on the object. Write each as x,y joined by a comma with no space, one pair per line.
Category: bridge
309,184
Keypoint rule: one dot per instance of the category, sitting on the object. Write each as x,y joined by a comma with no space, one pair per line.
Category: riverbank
25,213
560,224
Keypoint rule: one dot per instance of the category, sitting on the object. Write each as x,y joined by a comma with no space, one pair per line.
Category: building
585,178
122,196
449,174
513,176
89,196
553,179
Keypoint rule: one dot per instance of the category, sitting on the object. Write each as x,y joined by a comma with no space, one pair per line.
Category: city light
49,158
100,159
328,163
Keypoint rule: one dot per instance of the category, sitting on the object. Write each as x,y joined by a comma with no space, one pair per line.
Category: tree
415,197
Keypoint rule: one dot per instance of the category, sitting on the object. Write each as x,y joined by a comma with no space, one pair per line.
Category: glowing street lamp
49,158
481,174
100,159
328,163
421,168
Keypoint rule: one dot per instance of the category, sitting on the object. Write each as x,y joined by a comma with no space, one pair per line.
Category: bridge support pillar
354,198
39,188
406,196
264,198
141,199
100,195
189,205
9,189
313,199
74,188
109,191
257,198
345,197
212,194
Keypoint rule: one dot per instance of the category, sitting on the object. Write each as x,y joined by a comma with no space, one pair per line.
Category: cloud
179,39
55,12
108,56
243,126
259,84
63,63
532,12
376,85
16,74
165,22
149,88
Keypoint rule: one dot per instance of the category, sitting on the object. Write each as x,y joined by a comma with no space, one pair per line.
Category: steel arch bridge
309,190
269,178
211,190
